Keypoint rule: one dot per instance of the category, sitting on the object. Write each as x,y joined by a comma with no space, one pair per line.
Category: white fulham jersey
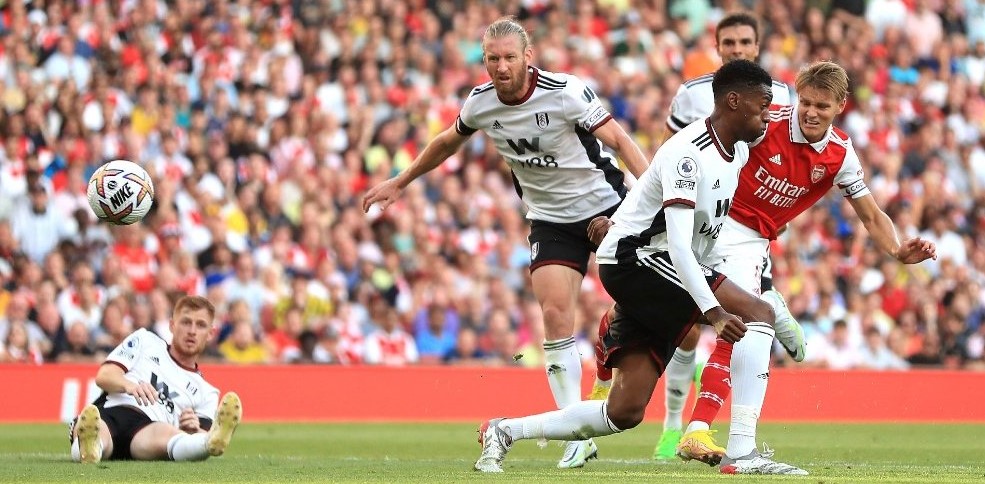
691,169
559,169
144,357
695,100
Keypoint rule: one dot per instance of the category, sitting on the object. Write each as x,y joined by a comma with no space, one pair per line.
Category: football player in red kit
799,159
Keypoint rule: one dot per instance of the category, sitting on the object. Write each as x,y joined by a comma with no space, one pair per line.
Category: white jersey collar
797,135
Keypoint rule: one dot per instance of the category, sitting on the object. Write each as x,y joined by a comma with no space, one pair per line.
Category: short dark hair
738,18
739,75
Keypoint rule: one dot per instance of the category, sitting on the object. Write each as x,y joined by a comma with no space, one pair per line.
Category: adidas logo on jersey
496,125
776,159
717,185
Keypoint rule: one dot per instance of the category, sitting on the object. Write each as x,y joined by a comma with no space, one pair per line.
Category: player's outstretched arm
434,154
612,135
883,232
110,378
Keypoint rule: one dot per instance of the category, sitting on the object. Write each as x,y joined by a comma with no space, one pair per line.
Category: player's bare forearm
111,379
612,135
883,232
434,154
632,155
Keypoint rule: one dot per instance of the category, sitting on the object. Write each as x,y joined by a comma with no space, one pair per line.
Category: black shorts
766,282
123,422
653,310
563,244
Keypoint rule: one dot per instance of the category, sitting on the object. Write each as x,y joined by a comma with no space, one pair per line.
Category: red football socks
716,383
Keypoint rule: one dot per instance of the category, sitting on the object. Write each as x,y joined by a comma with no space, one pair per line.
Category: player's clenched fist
188,421
597,228
728,326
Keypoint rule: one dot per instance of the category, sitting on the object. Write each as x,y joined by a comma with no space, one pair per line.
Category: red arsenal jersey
786,174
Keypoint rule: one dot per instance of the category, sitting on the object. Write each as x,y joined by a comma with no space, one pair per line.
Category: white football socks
578,421
750,376
679,373
563,365
188,447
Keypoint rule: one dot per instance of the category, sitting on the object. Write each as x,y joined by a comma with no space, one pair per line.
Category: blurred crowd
264,121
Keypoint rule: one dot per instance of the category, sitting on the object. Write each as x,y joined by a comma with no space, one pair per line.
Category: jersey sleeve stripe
838,139
541,75
600,123
699,80
678,201
546,80
462,129
483,88
548,87
117,363
676,123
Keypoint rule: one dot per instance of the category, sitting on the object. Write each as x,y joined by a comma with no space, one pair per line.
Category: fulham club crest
542,120
817,173
534,249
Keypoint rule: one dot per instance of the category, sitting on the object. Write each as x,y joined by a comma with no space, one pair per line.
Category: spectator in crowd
389,344
286,338
242,346
37,226
875,355
215,111
19,348
308,351
79,347
18,312
435,333
51,325
466,351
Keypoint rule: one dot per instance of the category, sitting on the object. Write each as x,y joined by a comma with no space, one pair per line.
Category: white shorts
742,254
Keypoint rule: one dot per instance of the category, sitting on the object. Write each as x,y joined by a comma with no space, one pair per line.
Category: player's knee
557,324
759,310
552,313
626,415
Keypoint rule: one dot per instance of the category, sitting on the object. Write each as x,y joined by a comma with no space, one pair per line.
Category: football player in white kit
652,263
799,160
550,129
736,37
155,404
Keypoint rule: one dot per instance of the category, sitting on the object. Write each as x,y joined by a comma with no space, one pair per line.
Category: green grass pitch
444,453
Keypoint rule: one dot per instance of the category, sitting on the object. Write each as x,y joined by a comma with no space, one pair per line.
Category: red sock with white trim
603,375
716,384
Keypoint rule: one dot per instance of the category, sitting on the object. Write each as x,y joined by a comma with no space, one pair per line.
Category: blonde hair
825,76
505,27
195,303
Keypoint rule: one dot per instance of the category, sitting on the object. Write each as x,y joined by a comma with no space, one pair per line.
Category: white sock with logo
188,447
679,373
563,365
578,421
750,376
